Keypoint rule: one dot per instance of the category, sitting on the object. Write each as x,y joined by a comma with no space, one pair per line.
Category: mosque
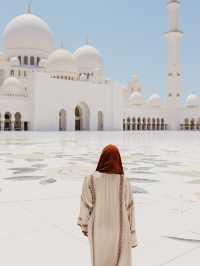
48,89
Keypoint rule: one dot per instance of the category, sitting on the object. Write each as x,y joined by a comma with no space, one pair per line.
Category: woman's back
107,187
106,212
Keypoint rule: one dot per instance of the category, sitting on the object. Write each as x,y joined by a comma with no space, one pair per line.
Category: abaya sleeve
86,205
131,213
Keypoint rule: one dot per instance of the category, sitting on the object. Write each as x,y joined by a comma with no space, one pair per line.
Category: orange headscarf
110,161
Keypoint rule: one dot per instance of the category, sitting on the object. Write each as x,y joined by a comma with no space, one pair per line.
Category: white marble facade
47,89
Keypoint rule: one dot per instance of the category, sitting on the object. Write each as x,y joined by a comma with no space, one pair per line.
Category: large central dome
28,32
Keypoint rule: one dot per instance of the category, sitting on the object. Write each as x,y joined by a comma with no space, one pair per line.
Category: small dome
28,31
154,100
43,63
12,81
13,87
192,101
136,98
14,61
88,57
61,60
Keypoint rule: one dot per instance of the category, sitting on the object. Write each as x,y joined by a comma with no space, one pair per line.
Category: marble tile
41,178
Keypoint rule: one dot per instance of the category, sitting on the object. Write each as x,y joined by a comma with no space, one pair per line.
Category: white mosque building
48,89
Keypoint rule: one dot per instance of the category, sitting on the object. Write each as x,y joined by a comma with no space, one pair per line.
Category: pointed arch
192,124
7,121
82,116
18,122
186,123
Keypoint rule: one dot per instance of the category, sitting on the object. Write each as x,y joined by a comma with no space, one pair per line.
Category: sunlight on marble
40,184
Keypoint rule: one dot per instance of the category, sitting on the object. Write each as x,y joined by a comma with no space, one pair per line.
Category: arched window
198,124
25,60
38,61
17,122
148,123
25,74
20,59
186,123
128,123
32,60
162,124
158,123
12,72
153,123
7,121
133,123
192,124
138,123
143,123
19,73
124,124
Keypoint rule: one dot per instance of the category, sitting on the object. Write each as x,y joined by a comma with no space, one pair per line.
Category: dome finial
136,77
29,7
87,40
62,44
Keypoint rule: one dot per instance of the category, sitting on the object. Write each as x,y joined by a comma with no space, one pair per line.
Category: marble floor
41,175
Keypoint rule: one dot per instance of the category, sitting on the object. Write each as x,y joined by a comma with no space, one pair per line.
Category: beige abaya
107,215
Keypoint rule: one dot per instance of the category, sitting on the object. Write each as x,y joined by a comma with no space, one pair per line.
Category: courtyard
41,176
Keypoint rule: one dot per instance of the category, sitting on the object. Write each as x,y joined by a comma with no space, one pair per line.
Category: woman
107,212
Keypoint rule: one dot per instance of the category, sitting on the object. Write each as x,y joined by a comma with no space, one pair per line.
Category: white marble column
70,120
93,120
12,125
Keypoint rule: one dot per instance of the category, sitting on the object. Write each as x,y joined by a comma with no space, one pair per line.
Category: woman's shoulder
125,178
87,178
91,176
97,174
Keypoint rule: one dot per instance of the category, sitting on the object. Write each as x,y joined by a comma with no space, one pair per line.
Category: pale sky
128,34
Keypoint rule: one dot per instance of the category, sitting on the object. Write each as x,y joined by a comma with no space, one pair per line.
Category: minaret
173,37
